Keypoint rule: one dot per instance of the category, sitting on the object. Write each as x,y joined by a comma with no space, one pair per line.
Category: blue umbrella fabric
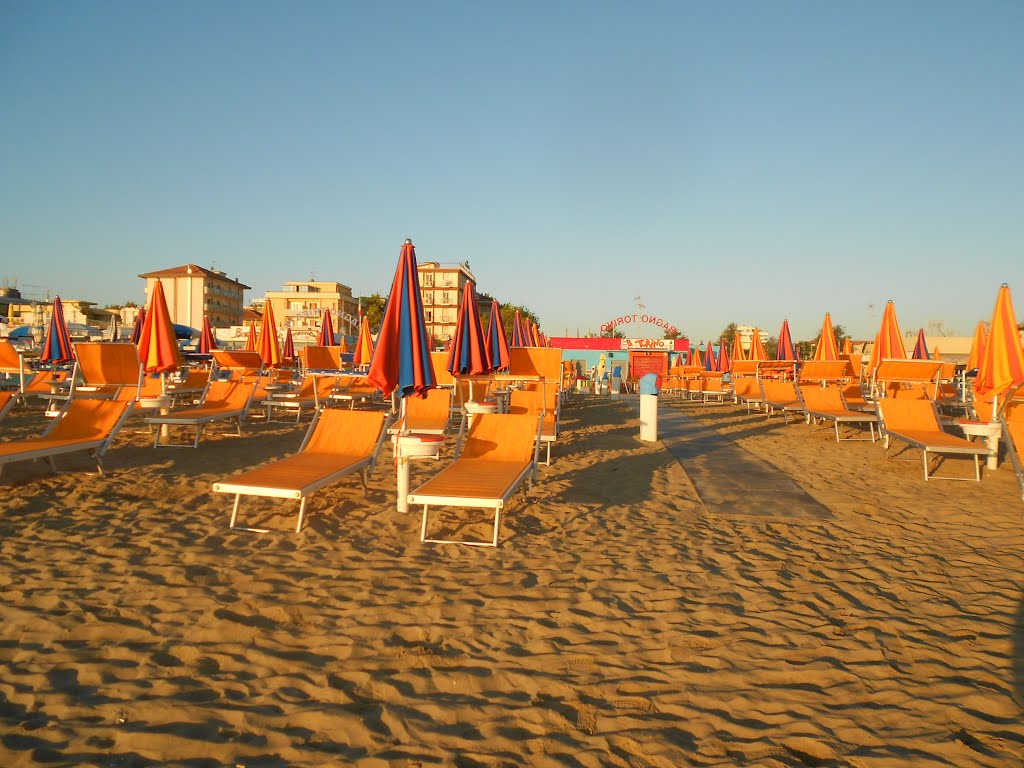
57,346
469,347
401,358
140,320
786,350
710,361
921,348
497,346
519,335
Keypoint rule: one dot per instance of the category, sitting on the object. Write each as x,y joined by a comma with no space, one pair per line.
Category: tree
613,333
373,309
674,335
729,333
771,347
840,333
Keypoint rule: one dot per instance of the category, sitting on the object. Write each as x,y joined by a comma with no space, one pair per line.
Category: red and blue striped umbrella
710,361
921,348
469,348
57,346
534,335
140,319
326,336
519,337
497,346
786,350
401,359
207,341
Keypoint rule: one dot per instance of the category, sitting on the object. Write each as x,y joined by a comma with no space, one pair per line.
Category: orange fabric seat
223,401
916,423
827,403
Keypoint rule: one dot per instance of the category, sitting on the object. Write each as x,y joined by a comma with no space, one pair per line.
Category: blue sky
740,161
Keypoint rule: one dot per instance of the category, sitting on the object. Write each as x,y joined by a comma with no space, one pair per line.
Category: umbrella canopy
137,328
519,334
268,346
402,357
847,346
343,346
364,344
977,347
469,347
497,346
757,347
826,349
890,339
288,350
935,353
184,331
921,347
534,335
1002,365
250,340
710,361
724,363
207,341
326,336
786,350
737,348
115,327
57,345
158,347
695,358
679,358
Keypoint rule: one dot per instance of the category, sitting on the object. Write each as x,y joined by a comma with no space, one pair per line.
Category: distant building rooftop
183,271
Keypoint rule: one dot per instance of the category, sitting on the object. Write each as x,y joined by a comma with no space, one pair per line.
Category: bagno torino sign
611,325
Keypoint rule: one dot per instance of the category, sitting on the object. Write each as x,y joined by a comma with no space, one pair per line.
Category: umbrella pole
401,465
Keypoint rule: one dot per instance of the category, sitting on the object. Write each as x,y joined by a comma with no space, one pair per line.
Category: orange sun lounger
498,456
827,403
781,395
223,401
82,425
338,443
916,423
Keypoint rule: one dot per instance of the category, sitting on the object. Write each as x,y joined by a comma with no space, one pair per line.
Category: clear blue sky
737,161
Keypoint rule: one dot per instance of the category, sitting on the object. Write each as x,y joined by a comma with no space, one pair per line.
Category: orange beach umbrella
158,345
977,347
250,340
889,343
827,349
1002,365
268,346
737,348
757,347
364,344
847,346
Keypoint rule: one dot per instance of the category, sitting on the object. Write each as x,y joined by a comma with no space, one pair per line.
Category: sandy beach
621,622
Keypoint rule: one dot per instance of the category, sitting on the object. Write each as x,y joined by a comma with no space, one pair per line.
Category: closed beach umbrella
757,347
1002,365
737,348
518,332
158,346
326,336
786,350
115,327
935,354
401,359
288,350
847,346
207,341
57,344
977,347
364,344
269,347
140,319
826,349
343,346
679,358
497,346
921,347
250,340
889,344
469,347
695,358
724,363
710,361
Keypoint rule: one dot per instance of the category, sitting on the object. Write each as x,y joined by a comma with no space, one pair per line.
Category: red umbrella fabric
140,318
469,348
724,363
207,341
710,361
786,350
269,347
401,359
57,346
288,350
497,346
326,336
921,347
519,335
158,346
250,341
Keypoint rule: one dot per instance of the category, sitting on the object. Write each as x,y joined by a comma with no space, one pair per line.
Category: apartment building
441,287
300,305
193,291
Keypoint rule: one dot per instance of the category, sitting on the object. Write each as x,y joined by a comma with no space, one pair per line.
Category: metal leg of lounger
302,513
199,434
423,529
837,430
234,510
497,524
924,453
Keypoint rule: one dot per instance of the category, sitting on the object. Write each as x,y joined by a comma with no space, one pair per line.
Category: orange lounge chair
313,390
746,387
355,389
499,455
712,386
427,415
914,379
337,444
223,401
827,403
7,402
82,425
531,402
916,423
320,359
12,364
236,362
781,395
105,369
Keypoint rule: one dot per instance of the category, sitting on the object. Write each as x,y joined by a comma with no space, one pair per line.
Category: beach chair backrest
341,432
905,415
228,395
443,377
778,390
825,370
854,365
106,364
819,398
536,361
501,437
744,368
87,419
10,360
237,361
526,401
906,372
430,412
316,358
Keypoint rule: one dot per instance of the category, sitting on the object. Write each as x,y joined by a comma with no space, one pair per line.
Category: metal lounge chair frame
826,403
231,401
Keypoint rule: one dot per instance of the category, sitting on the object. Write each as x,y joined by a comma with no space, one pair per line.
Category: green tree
840,333
613,333
771,347
373,310
729,333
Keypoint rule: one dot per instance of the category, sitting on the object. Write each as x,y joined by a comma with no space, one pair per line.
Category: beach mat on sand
729,479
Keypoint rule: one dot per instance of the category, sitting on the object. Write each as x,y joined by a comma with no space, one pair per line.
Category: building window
428,315
428,278
445,297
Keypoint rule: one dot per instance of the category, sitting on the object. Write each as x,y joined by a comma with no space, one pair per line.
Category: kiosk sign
648,344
